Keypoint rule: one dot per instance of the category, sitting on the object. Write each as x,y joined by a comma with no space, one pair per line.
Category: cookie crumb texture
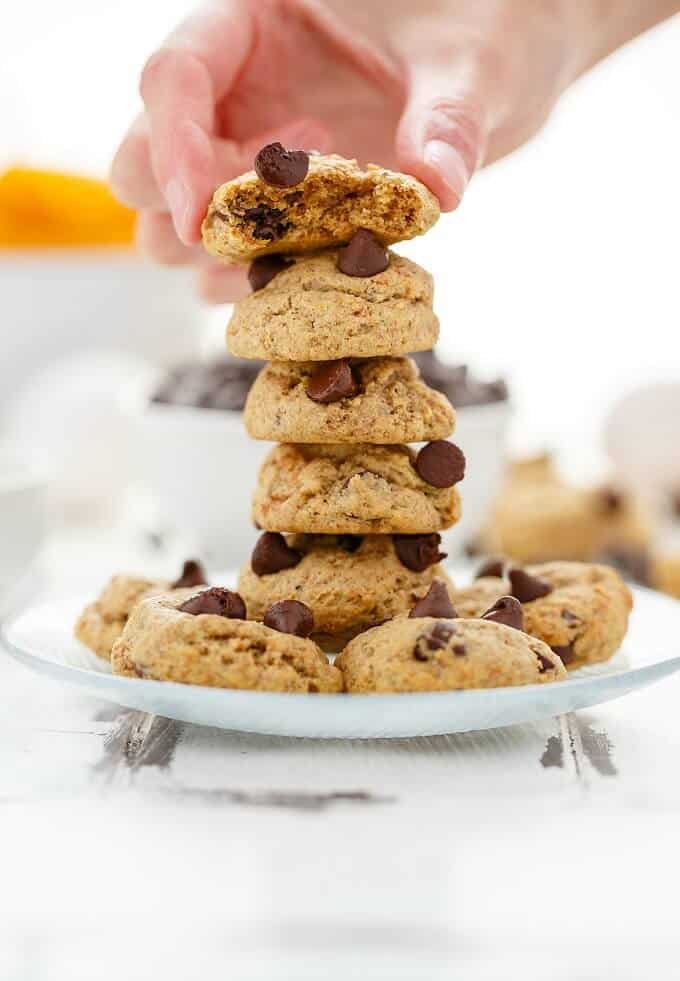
101,622
393,406
248,218
343,489
586,614
427,654
161,643
310,311
347,591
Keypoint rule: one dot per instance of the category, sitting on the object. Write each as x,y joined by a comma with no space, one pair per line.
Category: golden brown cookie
664,572
311,311
387,403
349,583
102,622
583,616
248,217
349,489
429,654
163,643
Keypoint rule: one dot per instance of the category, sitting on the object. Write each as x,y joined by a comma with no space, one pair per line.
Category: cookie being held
295,201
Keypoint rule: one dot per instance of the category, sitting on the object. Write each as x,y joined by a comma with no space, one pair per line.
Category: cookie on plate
299,202
381,400
204,639
416,654
349,582
310,310
580,610
102,622
353,489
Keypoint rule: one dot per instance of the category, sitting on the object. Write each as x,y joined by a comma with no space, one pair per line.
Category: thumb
443,132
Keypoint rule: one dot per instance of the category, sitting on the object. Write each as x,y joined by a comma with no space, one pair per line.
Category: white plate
41,638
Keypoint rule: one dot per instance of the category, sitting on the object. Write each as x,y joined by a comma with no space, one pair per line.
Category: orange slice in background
44,209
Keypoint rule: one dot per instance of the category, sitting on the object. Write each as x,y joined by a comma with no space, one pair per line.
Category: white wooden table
133,846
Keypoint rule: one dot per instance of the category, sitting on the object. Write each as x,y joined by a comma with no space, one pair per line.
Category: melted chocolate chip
610,500
333,381
268,222
272,554
418,552
434,639
363,255
506,610
350,543
290,617
217,601
492,567
526,588
435,602
264,269
279,167
545,664
192,575
460,650
441,464
564,651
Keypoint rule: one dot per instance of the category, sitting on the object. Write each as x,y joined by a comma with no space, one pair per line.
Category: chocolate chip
418,552
268,222
441,464
565,652
217,601
545,664
264,269
435,602
610,500
363,255
290,617
192,575
460,650
526,588
333,381
280,167
434,639
492,567
272,554
506,610
350,543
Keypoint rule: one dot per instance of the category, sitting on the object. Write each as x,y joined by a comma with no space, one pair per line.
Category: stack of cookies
350,513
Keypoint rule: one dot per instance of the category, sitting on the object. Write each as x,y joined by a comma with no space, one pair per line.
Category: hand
435,88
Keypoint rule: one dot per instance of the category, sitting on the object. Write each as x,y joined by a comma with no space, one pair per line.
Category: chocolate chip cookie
297,202
579,610
417,654
381,400
349,489
349,582
203,639
312,311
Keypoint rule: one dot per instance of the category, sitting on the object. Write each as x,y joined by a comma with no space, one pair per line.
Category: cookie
163,643
664,572
350,583
101,622
311,311
430,654
250,217
583,616
386,402
345,489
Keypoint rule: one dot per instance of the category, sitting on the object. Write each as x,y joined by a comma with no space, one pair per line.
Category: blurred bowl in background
23,515
481,432
201,466
66,302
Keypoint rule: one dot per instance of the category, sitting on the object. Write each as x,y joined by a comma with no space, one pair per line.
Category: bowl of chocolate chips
197,459
482,417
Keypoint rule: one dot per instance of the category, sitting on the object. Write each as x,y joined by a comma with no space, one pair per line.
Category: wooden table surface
135,846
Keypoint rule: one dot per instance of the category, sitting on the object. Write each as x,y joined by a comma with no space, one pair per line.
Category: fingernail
449,164
177,196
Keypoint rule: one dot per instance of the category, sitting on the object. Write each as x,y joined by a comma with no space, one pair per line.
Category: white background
561,268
